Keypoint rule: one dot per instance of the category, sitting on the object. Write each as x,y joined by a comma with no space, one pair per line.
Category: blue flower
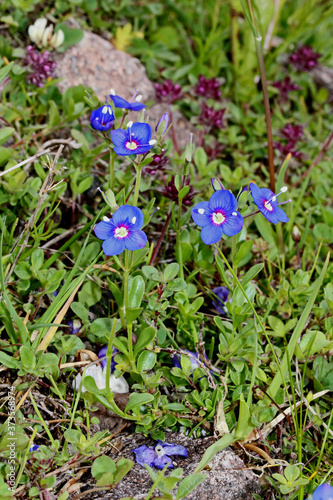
133,141
33,447
323,492
160,455
119,102
267,203
102,354
75,326
102,118
217,216
221,299
122,231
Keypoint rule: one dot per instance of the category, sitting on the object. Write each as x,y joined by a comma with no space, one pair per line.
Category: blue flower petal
224,200
270,216
233,224
135,240
198,218
119,102
174,449
323,492
104,230
102,118
211,234
130,215
118,137
257,195
113,246
145,455
137,106
281,215
140,132
161,462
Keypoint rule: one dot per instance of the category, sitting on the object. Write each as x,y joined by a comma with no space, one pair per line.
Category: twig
42,196
24,162
62,236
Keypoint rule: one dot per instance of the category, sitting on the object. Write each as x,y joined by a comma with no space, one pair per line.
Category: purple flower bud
168,92
221,299
170,191
162,124
285,87
208,88
211,118
40,66
75,326
304,58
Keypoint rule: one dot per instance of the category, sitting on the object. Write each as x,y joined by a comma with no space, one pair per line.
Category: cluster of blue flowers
217,217
159,456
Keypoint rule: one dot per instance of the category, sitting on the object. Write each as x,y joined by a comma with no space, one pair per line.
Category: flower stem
109,359
178,243
260,57
111,180
126,306
137,185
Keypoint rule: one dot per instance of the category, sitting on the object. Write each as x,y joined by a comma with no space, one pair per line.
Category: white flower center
159,450
268,206
131,145
218,218
121,232
201,211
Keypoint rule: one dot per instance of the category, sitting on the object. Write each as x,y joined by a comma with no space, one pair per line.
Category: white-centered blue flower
136,139
102,118
217,216
122,231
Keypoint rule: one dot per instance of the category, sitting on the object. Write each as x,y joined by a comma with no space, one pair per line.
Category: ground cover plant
183,289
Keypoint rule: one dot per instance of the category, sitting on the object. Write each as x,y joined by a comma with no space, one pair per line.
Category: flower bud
295,234
162,125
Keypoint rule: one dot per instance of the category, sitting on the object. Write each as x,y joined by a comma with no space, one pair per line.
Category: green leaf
123,467
251,274
210,453
27,358
54,117
5,70
189,484
242,427
291,473
146,337
151,273
171,271
133,314
106,479
265,229
37,258
101,465
146,361
277,326
137,399
6,133
80,311
243,251
9,361
136,292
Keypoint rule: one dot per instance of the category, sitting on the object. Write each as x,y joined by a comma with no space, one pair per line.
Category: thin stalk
109,359
126,306
42,421
24,461
234,266
178,244
137,185
255,365
261,64
111,180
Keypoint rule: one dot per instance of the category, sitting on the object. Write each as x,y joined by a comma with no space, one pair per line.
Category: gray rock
227,478
94,62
